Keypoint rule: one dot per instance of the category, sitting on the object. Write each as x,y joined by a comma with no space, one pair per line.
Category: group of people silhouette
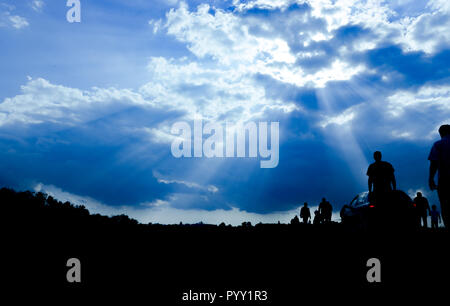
321,215
423,211
381,181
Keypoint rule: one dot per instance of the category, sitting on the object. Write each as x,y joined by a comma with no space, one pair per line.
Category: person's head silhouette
433,207
444,130
324,200
305,204
419,194
377,156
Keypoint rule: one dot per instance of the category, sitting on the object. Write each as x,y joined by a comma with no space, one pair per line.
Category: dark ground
294,264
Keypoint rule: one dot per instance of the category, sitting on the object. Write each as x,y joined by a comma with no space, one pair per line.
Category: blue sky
86,108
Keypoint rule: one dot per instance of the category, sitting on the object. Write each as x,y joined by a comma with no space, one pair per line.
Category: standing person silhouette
381,177
440,162
316,217
305,213
435,217
325,210
423,209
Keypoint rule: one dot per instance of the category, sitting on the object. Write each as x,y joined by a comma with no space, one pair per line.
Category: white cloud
210,188
426,32
340,119
155,24
202,92
423,32
221,89
262,4
409,112
436,97
15,21
18,22
226,38
221,36
238,53
40,101
37,5
208,91
408,115
371,13
8,19
156,203
439,5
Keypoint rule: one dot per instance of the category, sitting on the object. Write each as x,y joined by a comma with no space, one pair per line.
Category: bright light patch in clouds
263,4
226,37
210,188
340,119
216,93
426,97
44,102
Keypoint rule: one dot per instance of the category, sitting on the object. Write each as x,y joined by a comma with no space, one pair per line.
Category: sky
86,108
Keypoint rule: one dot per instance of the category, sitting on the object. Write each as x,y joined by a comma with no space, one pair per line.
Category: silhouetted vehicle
357,211
394,210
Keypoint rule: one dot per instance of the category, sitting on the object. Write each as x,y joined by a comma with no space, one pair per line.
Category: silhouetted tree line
27,209
38,209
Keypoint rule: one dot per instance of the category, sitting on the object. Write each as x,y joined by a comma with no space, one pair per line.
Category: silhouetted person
422,209
381,178
435,217
305,213
440,162
329,212
316,217
325,210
